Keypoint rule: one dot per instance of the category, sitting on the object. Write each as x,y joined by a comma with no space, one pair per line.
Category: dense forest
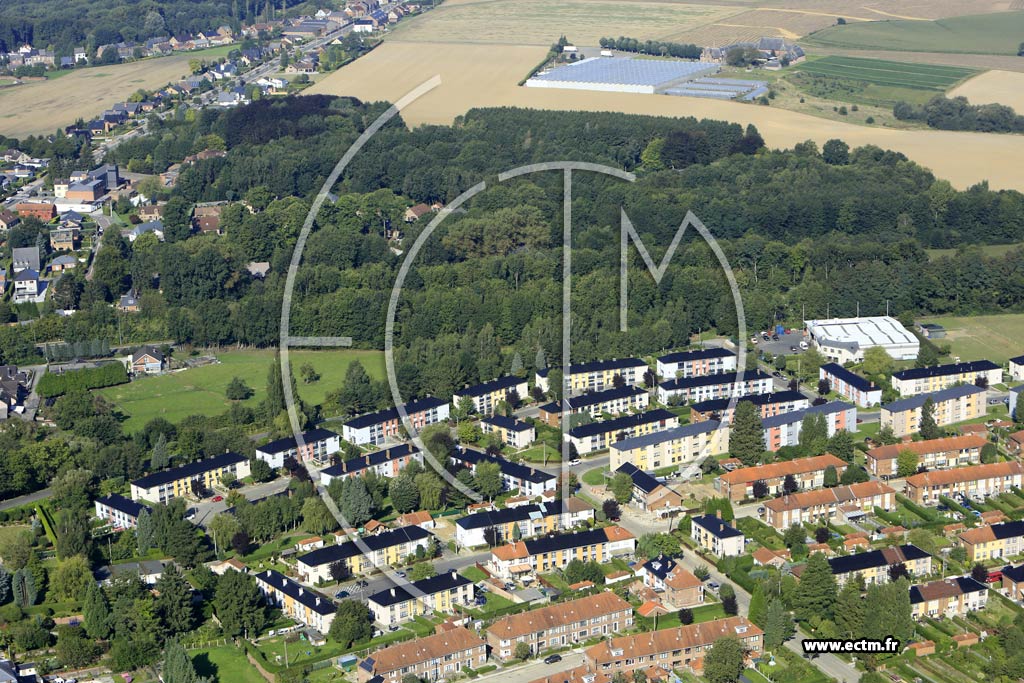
807,231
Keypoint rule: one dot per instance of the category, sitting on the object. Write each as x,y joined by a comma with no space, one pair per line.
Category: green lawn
997,33
887,73
995,337
177,395
226,664
474,574
595,477
10,531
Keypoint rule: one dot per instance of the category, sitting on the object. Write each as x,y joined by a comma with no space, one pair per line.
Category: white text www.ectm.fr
827,645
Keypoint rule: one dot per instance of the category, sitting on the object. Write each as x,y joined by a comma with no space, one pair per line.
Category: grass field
986,249
226,664
997,33
486,76
887,73
43,106
201,390
994,87
995,337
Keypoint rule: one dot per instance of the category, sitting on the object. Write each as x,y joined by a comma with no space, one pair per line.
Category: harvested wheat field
994,87
486,76
45,106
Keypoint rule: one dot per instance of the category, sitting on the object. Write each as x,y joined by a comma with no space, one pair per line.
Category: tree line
652,47
956,113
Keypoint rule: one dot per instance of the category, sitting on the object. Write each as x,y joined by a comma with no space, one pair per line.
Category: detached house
680,587
717,536
148,360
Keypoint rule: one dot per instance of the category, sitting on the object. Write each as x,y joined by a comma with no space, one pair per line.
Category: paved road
447,562
535,669
24,500
207,509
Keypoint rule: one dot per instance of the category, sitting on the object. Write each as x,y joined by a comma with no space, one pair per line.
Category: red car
217,499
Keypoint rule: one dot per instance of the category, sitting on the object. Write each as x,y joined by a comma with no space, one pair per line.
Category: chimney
392,592
718,513
301,590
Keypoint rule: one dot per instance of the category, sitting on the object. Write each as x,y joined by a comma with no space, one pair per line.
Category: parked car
217,499
574,462
400,574
341,595
714,585
552,659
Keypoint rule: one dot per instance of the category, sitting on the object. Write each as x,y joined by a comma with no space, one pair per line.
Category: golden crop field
486,76
45,106
999,87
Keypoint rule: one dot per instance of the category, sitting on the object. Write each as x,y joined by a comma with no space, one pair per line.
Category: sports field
887,73
998,34
994,87
200,391
995,337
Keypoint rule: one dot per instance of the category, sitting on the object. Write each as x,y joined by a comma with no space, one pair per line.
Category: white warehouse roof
858,334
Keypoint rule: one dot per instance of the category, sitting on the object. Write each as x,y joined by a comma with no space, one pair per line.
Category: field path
784,32
486,76
894,16
812,12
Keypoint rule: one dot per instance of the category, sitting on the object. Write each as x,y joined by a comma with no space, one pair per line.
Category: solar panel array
625,71
718,88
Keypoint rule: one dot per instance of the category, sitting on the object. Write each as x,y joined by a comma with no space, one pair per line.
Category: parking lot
784,345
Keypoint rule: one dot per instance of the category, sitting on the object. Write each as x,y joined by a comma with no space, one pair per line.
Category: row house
914,381
118,511
1017,369
439,594
955,596
768,405
873,565
597,375
600,435
715,535
553,553
808,472
489,394
530,481
1013,582
444,655
296,601
784,430
363,555
531,520
840,504
724,385
193,478
649,494
976,481
381,425
678,586
933,454
387,462
611,401
850,385
674,447
696,363
316,446
955,404
510,431
683,647
995,541
560,625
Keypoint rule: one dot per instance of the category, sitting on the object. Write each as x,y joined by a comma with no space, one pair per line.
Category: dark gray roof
717,527
712,380
189,470
850,377
799,415
624,422
304,596
915,402
435,584
943,370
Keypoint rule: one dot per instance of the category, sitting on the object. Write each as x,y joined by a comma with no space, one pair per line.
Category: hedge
108,375
923,513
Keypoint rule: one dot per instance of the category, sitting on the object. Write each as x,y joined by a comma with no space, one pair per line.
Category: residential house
679,587
610,401
387,462
8,219
560,625
487,396
597,375
420,518
148,571
439,594
683,647
717,536
808,472
977,482
28,287
676,447
597,436
148,360
933,454
363,555
25,258
850,385
838,504
64,239
768,405
443,655
206,217
784,430
129,303
529,481
1013,582
376,427
992,542
954,596
155,227
550,553
314,445
190,479
307,544
151,212
723,385
1017,369
531,520
118,511
873,565
955,404
509,430
296,602
696,363
649,494
916,381
414,213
